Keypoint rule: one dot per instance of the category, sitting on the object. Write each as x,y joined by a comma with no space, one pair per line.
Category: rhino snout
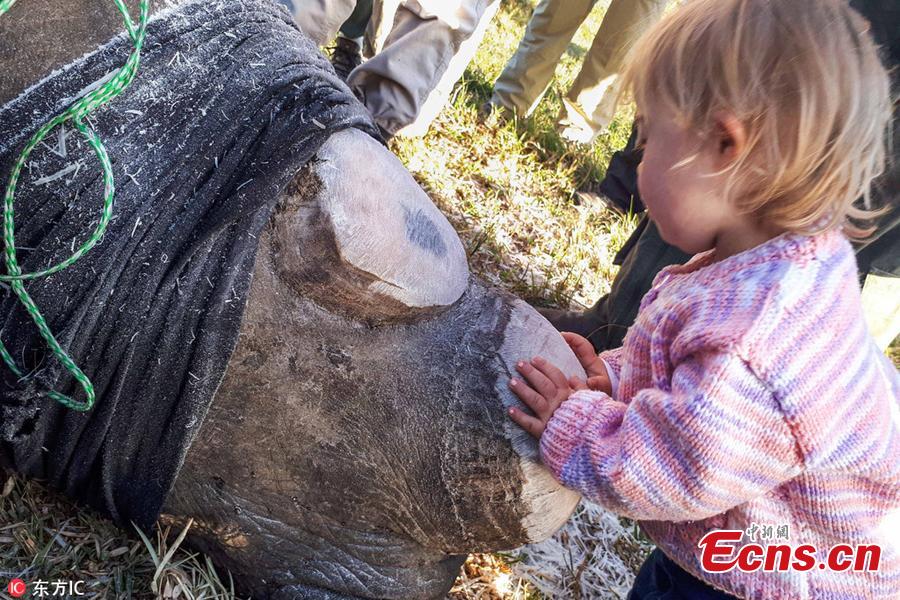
356,234
362,423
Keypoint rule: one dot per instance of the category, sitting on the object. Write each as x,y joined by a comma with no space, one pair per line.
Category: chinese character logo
16,588
43,589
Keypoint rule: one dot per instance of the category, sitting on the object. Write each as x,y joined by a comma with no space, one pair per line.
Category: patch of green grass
511,188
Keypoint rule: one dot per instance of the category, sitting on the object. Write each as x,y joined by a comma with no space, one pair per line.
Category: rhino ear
357,235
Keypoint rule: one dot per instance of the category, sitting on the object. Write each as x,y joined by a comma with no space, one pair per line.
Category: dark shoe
593,193
501,113
345,56
581,322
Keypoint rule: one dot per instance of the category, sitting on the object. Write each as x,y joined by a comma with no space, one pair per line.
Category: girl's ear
731,137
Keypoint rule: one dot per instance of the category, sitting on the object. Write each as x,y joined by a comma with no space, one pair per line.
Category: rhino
355,443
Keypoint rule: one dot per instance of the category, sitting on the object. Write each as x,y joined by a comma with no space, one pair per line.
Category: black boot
586,323
345,56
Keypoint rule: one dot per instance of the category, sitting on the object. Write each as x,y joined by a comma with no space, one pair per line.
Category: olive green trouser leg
528,73
590,104
355,25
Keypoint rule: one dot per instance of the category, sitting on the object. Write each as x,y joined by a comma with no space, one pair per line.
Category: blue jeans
660,578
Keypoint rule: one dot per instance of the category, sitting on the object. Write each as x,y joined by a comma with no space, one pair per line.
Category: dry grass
488,577
44,537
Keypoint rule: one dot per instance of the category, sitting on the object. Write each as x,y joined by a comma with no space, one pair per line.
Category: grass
511,189
44,537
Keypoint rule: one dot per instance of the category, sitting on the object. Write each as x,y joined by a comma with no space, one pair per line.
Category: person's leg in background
320,19
528,73
439,96
380,25
590,104
347,54
427,49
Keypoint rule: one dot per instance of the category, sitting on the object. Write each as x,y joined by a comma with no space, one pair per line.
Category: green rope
77,113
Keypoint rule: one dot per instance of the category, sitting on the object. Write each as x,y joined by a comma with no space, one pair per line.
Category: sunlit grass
511,188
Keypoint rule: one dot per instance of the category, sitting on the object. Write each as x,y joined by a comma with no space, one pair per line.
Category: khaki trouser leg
380,24
527,74
424,53
881,307
590,103
321,19
439,97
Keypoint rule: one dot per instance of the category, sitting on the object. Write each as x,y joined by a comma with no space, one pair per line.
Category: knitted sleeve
717,439
612,358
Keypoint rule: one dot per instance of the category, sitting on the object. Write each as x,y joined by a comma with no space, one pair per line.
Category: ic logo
16,588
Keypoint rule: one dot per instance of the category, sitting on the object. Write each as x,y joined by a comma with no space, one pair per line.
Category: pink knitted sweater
749,392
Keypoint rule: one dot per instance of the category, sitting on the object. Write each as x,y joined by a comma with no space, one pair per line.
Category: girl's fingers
600,383
583,349
531,398
537,380
533,426
576,383
552,373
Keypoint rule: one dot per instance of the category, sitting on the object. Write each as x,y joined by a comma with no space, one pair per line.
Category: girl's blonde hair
804,79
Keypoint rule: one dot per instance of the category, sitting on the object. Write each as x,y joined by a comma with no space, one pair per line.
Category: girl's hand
545,388
597,377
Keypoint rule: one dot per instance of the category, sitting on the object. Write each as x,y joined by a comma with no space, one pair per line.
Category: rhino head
359,441
358,445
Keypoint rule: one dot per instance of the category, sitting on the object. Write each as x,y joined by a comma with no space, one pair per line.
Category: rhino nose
368,243
528,334
360,239
384,225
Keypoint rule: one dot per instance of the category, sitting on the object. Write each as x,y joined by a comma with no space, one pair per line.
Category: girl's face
678,184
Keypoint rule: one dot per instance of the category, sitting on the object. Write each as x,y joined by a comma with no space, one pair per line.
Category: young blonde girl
748,396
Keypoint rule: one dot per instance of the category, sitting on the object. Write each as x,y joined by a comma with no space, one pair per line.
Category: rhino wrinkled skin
359,444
